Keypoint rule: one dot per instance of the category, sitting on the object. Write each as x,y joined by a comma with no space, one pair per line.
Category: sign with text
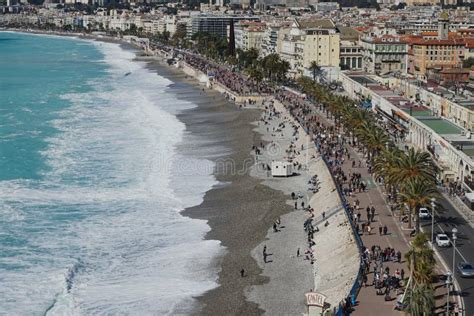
315,299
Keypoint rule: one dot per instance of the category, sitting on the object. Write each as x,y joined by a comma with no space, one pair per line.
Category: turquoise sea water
34,74
89,217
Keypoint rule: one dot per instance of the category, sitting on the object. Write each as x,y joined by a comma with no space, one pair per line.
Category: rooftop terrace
448,130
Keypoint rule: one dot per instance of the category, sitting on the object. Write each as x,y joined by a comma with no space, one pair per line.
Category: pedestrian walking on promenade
385,229
324,215
296,205
369,229
380,230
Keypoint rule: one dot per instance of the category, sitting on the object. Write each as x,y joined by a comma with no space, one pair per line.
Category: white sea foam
117,243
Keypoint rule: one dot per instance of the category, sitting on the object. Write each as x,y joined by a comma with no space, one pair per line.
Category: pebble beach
242,212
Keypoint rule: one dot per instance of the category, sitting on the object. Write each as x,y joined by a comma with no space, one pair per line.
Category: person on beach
242,272
298,252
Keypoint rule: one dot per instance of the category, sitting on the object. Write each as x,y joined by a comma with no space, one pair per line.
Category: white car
424,214
442,240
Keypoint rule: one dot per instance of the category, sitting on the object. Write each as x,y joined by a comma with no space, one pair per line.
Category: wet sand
239,210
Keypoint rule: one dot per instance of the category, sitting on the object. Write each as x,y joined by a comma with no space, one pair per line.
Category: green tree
275,68
420,300
256,74
468,63
414,165
421,262
315,69
417,193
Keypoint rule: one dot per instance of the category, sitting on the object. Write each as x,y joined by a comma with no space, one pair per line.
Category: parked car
442,240
465,270
424,214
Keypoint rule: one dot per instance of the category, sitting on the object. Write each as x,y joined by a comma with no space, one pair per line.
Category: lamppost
448,285
433,200
454,237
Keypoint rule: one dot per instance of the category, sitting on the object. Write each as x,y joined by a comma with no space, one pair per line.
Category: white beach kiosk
282,169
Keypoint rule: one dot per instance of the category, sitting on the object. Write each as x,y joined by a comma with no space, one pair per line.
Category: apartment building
215,24
384,54
435,54
350,51
308,40
249,34
428,53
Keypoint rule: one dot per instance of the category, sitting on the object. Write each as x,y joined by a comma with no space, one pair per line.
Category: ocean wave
111,196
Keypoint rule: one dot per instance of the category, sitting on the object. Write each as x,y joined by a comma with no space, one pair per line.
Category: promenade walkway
369,303
396,237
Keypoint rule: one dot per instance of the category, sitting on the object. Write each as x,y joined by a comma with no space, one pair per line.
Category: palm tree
416,165
384,162
420,300
363,131
421,262
256,74
376,141
383,165
315,69
417,193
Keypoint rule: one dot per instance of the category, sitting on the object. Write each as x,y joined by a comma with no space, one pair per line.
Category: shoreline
242,210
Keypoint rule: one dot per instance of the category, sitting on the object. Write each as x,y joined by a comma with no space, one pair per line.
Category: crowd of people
236,82
332,144
374,264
